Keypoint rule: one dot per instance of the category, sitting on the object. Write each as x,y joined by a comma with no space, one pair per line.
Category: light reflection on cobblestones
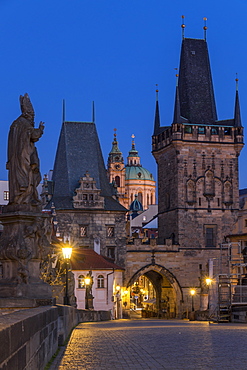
153,344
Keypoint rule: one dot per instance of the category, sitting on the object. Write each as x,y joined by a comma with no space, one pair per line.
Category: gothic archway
167,294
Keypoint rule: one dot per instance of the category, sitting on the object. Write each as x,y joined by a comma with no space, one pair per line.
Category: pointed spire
93,112
115,148
157,114
237,115
177,113
63,111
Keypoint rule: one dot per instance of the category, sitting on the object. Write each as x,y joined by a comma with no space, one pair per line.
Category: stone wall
30,337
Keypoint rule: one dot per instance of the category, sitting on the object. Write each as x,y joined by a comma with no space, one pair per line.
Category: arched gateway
156,290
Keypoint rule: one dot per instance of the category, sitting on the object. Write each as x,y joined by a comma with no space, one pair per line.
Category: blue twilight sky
113,52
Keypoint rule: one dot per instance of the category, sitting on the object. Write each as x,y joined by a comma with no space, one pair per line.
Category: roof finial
115,132
133,141
177,75
183,26
157,92
63,111
205,28
236,79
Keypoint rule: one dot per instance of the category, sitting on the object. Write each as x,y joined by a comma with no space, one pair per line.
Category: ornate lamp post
88,293
208,283
117,290
67,251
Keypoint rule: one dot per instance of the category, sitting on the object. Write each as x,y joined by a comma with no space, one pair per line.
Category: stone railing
30,337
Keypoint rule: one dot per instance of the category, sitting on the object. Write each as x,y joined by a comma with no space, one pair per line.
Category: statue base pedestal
26,302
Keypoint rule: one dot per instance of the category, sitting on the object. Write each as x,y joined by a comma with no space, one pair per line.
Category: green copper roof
137,173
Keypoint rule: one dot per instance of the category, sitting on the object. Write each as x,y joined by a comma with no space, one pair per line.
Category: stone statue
23,161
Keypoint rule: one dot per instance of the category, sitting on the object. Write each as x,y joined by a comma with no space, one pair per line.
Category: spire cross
205,28
115,132
183,26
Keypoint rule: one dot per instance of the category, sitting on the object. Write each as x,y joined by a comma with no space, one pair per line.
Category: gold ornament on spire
236,79
205,28
183,26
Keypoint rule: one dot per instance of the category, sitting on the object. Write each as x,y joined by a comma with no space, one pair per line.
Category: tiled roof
88,259
196,94
79,152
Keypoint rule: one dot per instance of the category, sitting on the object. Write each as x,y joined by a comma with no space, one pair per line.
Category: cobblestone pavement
156,344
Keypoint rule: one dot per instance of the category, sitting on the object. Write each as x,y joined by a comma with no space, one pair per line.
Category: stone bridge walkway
155,344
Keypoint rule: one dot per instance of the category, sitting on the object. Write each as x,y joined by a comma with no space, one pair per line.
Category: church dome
137,172
136,206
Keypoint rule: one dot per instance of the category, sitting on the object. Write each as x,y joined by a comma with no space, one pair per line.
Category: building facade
84,207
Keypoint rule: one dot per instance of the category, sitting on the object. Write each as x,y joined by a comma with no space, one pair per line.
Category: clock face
117,166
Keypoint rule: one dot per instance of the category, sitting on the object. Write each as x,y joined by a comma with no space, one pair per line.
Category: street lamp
88,293
117,290
67,251
192,292
208,283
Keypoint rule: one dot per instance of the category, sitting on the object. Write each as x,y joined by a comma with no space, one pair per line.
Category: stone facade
198,183
174,271
103,231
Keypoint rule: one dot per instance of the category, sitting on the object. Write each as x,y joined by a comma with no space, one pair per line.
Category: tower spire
157,114
237,115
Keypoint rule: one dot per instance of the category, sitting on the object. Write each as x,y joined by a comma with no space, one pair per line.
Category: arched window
147,199
151,199
81,281
100,281
117,180
131,198
140,197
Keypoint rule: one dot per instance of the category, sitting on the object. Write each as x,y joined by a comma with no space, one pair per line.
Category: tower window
187,129
83,231
110,231
227,131
201,130
111,252
210,236
214,131
117,180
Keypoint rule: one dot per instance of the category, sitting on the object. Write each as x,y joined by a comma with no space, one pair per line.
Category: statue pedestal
23,245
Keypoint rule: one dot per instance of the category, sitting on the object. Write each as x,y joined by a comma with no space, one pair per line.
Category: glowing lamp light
87,280
67,251
118,288
192,292
208,281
